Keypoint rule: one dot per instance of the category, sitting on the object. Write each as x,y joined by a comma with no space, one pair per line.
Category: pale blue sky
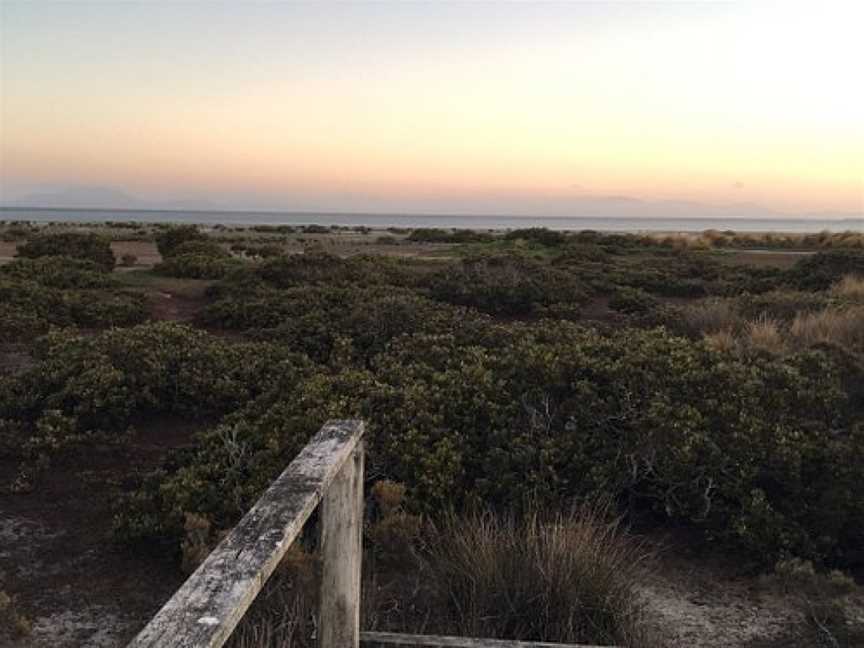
444,105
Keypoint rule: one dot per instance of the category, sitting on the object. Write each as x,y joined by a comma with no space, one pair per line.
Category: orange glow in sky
334,106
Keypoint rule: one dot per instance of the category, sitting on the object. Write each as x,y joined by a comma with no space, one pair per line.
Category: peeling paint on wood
208,606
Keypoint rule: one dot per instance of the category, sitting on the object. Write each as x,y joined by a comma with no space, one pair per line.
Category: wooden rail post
341,553
205,610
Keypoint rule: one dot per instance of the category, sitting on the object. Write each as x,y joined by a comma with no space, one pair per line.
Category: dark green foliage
101,383
507,285
39,305
632,301
539,235
316,269
819,271
434,235
195,258
89,247
264,251
59,272
738,448
197,266
317,320
208,248
170,238
763,453
429,235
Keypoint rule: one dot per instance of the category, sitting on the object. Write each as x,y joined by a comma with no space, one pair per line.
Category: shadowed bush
89,247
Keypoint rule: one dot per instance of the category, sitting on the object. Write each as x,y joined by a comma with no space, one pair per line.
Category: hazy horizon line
421,214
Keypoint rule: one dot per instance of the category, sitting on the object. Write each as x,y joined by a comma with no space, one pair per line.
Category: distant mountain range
92,197
515,204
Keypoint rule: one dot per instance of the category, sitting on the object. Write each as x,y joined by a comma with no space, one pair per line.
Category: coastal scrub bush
819,271
200,248
25,300
170,238
198,266
314,319
99,383
539,235
758,451
429,235
632,301
90,247
59,272
505,285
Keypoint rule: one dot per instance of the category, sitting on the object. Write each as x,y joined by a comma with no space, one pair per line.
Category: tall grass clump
832,325
565,577
850,287
712,316
764,334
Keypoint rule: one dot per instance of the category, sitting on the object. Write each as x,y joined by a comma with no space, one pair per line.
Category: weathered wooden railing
208,606
329,470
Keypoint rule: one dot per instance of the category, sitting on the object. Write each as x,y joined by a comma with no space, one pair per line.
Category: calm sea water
433,220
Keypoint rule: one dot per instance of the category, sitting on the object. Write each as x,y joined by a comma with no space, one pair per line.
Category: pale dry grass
765,334
832,325
723,341
562,578
771,240
711,316
850,287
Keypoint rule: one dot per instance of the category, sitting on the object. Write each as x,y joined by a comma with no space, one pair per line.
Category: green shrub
101,382
59,272
197,266
539,235
507,285
632,301
819,271
91,308
89,247
429,235
200,248
170,238
759,452
17,324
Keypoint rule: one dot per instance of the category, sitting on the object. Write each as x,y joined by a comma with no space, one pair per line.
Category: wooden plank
208,606
390,639
341,551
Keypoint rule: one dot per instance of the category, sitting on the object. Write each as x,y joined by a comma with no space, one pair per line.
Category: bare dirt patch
57,554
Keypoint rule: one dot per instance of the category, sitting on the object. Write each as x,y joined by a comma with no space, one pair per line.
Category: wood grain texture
341,554
208,606
390,639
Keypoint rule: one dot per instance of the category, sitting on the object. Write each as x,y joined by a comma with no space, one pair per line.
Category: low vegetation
530,375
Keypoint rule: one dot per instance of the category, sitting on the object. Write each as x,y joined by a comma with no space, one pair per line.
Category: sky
445,107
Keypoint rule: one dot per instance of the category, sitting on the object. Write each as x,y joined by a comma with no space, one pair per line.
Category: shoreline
487,223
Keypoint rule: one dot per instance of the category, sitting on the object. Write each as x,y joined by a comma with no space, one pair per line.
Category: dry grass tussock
764,334
564,578
850,287
832,325
726,326
772,240
711,316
